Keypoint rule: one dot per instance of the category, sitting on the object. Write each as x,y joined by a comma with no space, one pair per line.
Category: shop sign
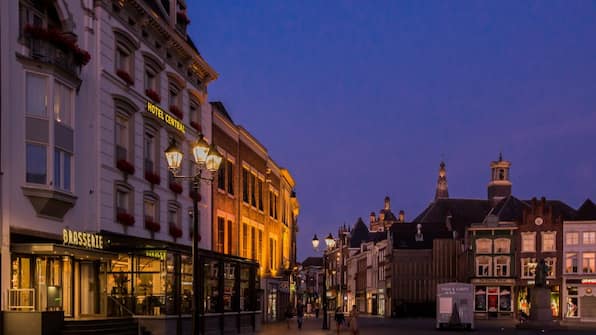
589,281
82,239
493,281
159,254
166,117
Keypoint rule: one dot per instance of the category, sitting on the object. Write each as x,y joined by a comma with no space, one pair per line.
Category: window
528,242
272,254
150,208
124,57
62,169
502,266
230,173
483,266
571,262
551,263
151,74
283,209
174,215
588,264
150,150
548,241
589,237
63,103
36,163
528,267
260,246
230,232
221,177
253,243
260,193
483,246
244,240
253,198
123,199
245,184
195,111
502,245
37,99
174,96
219,244
273,204
572,238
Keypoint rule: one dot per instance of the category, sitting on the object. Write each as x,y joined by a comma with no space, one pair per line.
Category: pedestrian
289,315
339,318
353,321
300,314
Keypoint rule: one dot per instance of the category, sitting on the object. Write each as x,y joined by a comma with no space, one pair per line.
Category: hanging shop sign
82,239
166,117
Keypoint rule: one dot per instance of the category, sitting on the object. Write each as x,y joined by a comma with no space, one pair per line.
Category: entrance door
89,288
375,305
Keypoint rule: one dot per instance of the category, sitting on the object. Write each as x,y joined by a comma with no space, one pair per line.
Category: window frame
543,237
527,235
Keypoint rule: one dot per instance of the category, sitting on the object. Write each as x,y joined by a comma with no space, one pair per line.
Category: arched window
125,46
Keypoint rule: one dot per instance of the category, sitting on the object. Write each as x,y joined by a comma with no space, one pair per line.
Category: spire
442,191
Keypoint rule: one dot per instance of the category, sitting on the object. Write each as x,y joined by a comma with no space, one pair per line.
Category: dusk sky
363,99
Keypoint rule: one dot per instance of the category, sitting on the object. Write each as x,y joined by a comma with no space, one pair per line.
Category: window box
61,40
182,18
195,125
175,231
151,225
125,219
153,178
125,76
153,95
125,166
176,111
175,187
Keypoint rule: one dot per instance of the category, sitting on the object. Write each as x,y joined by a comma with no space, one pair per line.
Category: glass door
90,302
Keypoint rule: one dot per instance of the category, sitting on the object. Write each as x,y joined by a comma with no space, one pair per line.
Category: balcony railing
46,52
21,299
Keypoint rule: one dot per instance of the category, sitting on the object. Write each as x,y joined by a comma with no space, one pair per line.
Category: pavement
371,325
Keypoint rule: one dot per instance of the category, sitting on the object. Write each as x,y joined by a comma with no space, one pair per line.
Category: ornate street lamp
330,243
205,158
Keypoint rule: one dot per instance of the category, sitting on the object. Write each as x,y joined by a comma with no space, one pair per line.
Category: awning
51,249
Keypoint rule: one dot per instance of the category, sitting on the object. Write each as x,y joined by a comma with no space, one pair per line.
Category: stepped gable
586,212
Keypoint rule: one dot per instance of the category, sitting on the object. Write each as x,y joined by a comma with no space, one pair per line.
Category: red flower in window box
195,125
153,95
125,166
182,18
175,187
176,111
151,225
81,57
175,231
61,40
124,75
153,178
125,219
194,195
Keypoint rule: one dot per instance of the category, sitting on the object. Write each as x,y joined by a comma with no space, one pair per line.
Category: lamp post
205,158
329,242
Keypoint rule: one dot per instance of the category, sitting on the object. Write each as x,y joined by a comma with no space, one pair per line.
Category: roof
586,212
404,235
222,110
510,209
312,261
359,234
463,212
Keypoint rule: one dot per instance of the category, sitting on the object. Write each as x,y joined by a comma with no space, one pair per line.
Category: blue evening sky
363,99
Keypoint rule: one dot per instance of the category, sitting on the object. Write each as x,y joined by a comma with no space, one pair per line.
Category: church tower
442,191
499,186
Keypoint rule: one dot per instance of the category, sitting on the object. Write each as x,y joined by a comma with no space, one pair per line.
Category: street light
205,157
330,243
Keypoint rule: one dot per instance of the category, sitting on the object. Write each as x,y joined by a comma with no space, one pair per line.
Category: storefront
493,298
524,294
580,299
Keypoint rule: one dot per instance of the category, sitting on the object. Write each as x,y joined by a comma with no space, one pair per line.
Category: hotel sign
166,117
82,239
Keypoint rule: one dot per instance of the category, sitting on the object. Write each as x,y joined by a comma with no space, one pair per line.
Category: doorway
90,288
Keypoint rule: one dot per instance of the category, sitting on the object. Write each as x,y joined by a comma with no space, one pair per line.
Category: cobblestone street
380,326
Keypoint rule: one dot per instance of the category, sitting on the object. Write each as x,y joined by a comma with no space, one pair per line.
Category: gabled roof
559,209
219,106
404,235
510,209
586,212
359,234
463,212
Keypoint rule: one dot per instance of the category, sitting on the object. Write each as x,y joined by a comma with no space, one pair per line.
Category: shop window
502,245
551,264
149,275
572,238
571,262
528,266
483,246
505,299
588,265
483,266
229,296
549,241
589,237
480,299
211,289
571,306
186,284
528,242
245,293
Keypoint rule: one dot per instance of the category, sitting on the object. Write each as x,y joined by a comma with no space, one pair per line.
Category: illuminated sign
159,254
590,281
169,119
82,239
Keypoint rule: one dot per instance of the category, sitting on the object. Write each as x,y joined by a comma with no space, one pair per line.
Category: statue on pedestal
540,274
